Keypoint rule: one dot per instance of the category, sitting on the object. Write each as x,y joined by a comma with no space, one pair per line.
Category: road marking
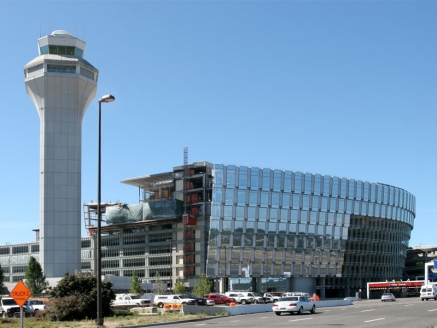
300,319
408,304
264,317
432,310
375,320
235,321
368,310
201,324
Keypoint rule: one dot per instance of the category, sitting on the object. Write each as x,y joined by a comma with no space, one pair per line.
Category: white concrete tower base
61,85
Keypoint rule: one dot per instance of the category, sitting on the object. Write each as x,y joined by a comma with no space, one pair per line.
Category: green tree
34,277
159,287
135,287
179,287
203,286
75,298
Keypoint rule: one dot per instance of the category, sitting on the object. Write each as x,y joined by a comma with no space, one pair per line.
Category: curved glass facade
268,222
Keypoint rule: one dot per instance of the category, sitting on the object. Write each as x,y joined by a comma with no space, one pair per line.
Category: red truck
220,299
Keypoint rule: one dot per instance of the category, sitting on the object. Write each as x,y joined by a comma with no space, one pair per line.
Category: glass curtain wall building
248,228
322,233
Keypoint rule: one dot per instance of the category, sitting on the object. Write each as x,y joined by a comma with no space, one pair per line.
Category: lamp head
107,98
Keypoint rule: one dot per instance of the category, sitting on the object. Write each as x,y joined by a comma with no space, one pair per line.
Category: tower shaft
61,87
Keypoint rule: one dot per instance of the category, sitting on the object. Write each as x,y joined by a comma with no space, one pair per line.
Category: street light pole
361,256
99,320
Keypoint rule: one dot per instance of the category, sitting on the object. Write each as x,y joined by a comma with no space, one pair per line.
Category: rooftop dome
61,32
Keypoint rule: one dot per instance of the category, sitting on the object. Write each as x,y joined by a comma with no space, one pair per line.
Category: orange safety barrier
167,306
232,304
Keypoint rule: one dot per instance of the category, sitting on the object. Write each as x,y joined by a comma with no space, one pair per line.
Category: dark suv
220,299
199,300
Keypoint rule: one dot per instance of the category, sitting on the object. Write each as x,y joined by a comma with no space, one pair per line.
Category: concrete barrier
253,308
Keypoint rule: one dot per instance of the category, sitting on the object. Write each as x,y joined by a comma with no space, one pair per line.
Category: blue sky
345,88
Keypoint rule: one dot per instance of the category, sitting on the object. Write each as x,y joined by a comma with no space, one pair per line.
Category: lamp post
361,256
99,320
267,272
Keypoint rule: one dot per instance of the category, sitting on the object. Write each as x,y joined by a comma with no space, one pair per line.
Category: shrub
75,298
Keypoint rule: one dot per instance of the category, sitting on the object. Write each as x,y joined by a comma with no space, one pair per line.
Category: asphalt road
405,312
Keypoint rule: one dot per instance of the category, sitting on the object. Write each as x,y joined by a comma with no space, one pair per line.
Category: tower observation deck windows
61,50
61,69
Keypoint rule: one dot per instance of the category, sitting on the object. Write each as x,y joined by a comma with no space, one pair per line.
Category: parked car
199,300
288,294
240,298
270,298
34,306
388,297
124,300
291,304
9,308
220,299
257,298
209,302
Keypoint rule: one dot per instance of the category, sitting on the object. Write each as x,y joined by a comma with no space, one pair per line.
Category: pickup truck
220,299
269,298
9,308
130,300
240,298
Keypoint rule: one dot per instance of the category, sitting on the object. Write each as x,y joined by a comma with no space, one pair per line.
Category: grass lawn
110,322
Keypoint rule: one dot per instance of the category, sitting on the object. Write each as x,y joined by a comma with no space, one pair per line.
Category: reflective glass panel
242,177
343,188
366,191
217,195
317,184
284,214
264,198
266,179
273,214
277,180
373,193
333,204
296,201
254,178
326,185
239,212
315,203
305,202
230,176
285,199
229,196
275,199
253,197
308,183
287,181
218,175
298,182
335,186
324,203
241,197
294,215
351,191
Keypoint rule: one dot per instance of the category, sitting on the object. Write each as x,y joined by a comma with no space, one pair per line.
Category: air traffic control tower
61,84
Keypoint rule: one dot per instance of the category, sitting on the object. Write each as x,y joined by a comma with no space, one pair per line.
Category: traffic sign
20,293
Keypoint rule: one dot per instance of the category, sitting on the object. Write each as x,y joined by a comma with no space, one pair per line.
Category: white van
428,291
